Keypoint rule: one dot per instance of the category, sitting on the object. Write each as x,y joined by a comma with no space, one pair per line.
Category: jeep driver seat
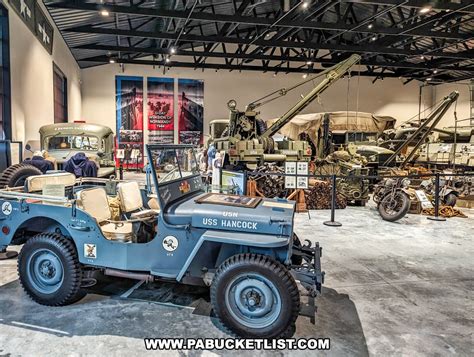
94,202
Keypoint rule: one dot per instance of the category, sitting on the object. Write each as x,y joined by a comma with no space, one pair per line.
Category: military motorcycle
391,196
448,192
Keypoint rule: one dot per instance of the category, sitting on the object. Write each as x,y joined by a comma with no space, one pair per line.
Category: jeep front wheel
255,296
49,270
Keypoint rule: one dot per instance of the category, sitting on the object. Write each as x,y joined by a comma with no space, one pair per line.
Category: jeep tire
49,270
16,175
254,296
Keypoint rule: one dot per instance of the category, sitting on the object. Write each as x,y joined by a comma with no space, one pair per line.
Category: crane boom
333,74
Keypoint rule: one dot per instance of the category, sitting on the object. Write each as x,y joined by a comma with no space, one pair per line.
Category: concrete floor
391,289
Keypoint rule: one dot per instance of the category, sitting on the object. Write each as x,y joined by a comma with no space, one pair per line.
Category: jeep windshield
172,164
72,142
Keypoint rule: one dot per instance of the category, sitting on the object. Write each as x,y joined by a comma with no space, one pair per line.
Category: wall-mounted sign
35,19
296,169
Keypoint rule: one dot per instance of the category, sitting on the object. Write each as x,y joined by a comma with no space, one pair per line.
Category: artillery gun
248,142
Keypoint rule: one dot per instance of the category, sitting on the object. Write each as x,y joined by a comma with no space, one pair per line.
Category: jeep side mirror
28,148
100,154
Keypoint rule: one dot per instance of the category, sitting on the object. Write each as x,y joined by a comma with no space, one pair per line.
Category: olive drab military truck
63,141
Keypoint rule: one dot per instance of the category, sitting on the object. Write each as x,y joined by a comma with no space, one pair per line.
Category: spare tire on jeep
16,175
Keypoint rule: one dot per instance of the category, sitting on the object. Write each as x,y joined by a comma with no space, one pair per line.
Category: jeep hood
270,216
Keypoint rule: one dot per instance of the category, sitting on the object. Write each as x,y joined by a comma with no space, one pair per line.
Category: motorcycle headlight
232,104
405,183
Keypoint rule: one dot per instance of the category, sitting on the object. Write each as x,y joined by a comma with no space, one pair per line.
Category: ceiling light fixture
172,50
429,79
111,60
104,12
370,25
305,76
374,38
305,4
422,57
435,71
167,60
425,10
309,63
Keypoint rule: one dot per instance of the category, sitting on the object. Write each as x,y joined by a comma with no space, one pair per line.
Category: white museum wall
384,97
32,79
463,105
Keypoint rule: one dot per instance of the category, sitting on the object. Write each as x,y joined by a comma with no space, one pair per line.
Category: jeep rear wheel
49,270
255,296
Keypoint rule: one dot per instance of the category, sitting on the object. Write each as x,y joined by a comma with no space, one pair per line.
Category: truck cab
63,141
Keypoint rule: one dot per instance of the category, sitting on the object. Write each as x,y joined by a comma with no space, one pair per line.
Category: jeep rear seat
38,182
94,202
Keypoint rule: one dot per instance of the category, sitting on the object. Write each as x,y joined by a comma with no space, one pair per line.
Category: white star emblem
24,9
43,32
391,146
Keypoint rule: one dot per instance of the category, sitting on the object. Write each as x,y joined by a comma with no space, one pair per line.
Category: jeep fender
230,243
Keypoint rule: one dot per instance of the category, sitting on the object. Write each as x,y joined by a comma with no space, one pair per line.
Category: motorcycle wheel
394,207
450,199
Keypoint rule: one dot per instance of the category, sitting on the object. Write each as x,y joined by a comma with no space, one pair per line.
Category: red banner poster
191,111
160,97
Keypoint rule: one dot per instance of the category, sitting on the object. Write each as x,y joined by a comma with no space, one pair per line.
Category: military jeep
243,248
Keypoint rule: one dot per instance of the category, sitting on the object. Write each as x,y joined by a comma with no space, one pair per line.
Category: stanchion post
436,204
121,170
333,222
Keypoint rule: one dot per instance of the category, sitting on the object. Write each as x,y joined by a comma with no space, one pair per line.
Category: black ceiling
423,40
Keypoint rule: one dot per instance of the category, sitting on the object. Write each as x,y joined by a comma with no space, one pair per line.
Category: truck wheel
16,175
255,296
450,199
393,208
49,270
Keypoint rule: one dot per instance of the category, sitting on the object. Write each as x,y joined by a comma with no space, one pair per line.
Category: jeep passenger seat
131,201
95,203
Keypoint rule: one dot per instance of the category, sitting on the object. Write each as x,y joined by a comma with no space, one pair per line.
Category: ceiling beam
366,48
218,66
255,56
251,20
436,5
